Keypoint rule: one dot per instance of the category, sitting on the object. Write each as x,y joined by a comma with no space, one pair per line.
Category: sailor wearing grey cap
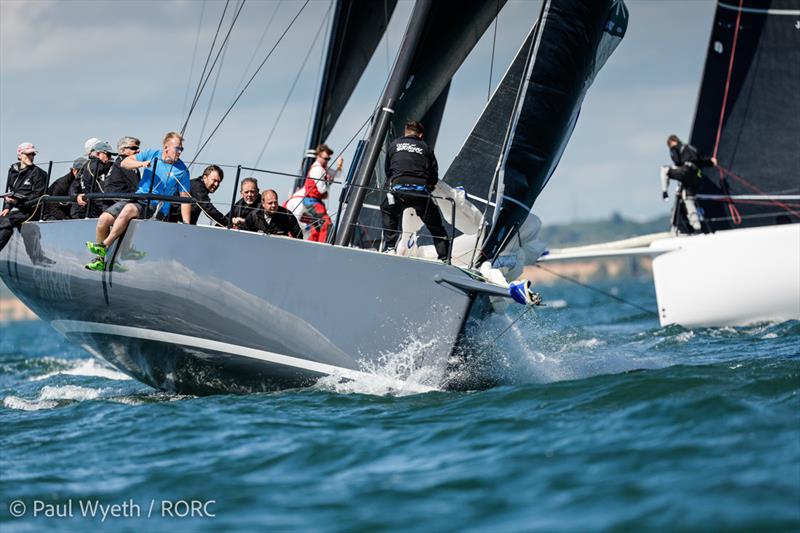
26,182
121,180
91,179
60,187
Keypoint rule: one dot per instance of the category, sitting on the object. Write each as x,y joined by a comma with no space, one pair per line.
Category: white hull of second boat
729,278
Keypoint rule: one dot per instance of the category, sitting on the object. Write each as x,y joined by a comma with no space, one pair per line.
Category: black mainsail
748,115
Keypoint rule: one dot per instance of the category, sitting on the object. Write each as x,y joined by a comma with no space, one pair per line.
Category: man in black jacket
60,187
91,179
687,171
26,182
200,188
412,173
273,219
250,201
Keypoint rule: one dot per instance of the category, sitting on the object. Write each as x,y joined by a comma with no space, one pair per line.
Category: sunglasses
179,149
135,148
326,158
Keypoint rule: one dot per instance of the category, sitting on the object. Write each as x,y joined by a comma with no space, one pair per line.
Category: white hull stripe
77,326
761,11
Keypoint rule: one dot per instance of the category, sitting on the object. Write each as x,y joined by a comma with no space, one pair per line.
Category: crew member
91,179
119,180
250,201
200,189
412,173
170,176
317,185
687,172
25,182
60,187
274,219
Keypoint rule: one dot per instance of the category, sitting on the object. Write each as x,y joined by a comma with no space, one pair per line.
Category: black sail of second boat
748,115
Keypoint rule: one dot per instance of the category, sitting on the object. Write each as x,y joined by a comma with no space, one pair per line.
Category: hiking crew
60,187
273,219
170,177
200,189
91,178
25,182
250,201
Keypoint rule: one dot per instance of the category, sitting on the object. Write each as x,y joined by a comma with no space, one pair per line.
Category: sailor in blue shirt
171,174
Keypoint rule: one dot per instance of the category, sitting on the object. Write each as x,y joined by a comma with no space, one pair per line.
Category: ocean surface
607,421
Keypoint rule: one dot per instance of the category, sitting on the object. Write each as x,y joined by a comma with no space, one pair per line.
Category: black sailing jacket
283,222
199,192
27,183
410,161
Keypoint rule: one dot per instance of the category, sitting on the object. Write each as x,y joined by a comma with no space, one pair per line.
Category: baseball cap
87,146
79,162
103,146
26,148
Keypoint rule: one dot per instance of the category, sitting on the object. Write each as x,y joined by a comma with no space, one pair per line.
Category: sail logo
409,147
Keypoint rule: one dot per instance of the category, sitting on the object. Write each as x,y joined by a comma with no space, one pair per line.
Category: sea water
605,421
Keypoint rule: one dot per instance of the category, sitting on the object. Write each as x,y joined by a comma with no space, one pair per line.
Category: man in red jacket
317,185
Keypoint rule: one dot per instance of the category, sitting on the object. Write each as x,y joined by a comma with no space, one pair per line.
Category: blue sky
70,70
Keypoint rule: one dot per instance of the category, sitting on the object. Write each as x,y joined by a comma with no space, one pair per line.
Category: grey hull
208,310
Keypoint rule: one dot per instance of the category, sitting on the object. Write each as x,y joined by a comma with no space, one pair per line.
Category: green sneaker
132,254
97,249
98,264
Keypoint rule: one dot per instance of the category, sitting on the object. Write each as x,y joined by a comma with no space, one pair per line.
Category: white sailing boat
745,266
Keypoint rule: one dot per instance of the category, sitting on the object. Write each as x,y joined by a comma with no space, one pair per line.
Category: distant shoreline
13,310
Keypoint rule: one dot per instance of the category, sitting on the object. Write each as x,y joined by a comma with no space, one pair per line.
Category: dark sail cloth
60,187
200,193
412,172
27,184
282,222
91,178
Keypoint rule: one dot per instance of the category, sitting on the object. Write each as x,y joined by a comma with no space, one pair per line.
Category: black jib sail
572,41
476,163
748,115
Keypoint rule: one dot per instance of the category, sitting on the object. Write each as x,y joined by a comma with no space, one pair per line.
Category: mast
377,133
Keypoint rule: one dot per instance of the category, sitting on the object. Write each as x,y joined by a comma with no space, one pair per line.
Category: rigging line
251,79
194,56
208,74
744,182
736,217
312,109
494,43
595,289
258,46
208,58
291,89
213,92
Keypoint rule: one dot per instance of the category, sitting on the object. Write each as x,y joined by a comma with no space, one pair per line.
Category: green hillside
594,231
